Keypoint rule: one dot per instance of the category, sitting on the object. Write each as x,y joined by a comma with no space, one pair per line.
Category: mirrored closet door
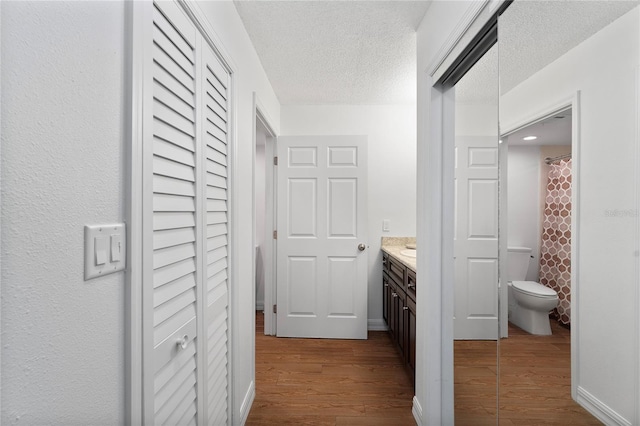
569,221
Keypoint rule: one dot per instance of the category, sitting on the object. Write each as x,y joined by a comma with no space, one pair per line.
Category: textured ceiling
554,130
532,34
480,84
336,52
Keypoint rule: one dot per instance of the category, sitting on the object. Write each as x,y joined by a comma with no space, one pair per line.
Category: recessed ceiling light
530,138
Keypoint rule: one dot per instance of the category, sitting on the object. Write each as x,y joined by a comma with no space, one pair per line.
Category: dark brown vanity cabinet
399,307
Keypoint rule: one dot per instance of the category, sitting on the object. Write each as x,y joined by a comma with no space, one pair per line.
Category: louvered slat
216,156
169,220
166,274
169,255
217,230
169,186
217,181
217,280
173,203
166,132
172,152
165,311
172,169
214,193
173,100
217,144
173,237
167,292
216,217
169,327
167,372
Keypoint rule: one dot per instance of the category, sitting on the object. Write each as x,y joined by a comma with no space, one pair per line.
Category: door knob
182,343
361,247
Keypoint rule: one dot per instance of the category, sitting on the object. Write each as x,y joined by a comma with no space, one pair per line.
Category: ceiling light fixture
530,138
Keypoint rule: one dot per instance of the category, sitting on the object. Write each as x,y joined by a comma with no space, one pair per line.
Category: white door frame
434,400
269,250
551,109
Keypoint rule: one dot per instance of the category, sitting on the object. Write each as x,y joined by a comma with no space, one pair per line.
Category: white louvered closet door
215,83
185,270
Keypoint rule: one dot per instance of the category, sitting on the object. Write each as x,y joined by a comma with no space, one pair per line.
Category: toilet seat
534,289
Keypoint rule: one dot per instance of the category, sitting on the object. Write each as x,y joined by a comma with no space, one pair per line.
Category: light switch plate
104,249
385,225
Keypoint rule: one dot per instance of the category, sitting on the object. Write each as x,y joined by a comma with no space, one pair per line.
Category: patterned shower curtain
555,251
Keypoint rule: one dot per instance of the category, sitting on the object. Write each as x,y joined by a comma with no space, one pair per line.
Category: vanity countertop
394,245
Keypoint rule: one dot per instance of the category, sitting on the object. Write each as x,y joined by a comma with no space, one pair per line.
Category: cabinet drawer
385,262
397,272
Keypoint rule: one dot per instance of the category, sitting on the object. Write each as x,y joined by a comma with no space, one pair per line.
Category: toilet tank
518,263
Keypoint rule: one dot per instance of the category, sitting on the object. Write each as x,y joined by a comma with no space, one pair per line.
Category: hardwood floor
535,381
330,382
363,382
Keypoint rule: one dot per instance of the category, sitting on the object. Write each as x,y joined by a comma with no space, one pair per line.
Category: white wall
523,199
391,132
63,156
62,167
604,68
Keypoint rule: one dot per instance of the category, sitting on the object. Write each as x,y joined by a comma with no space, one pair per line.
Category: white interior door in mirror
321,273
476,238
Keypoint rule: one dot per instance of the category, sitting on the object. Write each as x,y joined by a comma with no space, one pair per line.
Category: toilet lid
534,288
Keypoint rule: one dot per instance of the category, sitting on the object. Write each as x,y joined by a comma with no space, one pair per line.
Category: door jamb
551,109
269,250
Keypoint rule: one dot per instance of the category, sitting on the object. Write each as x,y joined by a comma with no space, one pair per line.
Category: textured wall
391,132
62,168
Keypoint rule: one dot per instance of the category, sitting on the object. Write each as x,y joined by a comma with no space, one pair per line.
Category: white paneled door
322,242
185,223
476,238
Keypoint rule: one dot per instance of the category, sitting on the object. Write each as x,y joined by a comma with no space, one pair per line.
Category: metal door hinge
275,235
275,309
275,161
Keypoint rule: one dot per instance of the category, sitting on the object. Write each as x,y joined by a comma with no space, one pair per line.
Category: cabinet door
402,323
410,333
386,293
411,284
393,310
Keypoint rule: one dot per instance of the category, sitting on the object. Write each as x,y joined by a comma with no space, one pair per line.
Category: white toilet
529,301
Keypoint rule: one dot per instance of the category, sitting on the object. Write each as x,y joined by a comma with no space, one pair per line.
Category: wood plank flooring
330,382
535,381
363,382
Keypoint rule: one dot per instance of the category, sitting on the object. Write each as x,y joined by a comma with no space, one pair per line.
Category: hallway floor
363,382
330,382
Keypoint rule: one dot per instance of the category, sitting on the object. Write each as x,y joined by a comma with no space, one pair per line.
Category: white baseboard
417,411
376,325
260,306
600,410
247,402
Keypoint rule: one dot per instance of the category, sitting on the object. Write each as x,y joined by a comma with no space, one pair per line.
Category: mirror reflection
476,242
568,203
